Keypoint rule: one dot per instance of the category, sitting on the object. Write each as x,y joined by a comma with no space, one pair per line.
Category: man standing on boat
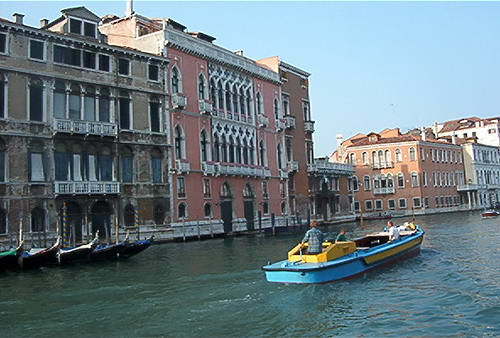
314,238
341,236
393,231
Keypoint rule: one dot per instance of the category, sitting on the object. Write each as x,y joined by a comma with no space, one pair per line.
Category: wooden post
210,225
117,229
183,230
136,220
198,226
273,225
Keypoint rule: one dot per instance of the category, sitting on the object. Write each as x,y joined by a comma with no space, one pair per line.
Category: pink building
228,157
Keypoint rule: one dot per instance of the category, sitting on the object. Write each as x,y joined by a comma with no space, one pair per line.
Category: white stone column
469,199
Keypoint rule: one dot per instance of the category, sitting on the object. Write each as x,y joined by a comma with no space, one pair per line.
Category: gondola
8,259
106,252
78,254
36,258
132,249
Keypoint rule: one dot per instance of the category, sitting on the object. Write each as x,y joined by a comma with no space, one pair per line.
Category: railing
230,170
179,101
205,107
471,187
383,165
331,167
86,188
208,169
283,174
290,121
262,121
384,191
280,124
182,167
309,126
85,127
293,165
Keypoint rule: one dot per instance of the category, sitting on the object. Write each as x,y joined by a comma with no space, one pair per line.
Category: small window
3,43
104,63
402,203
181,187
89,60
37,49
75,26
208,210
206,188
127,168
156,167
36,167
36,101
378,205
89,29
368,205
391,204
123,66
181,211
75,57
417,202
154,110
153,72
265,208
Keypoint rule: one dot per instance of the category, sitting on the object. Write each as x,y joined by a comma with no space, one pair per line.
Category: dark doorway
101,219
249,214
72,225
226,211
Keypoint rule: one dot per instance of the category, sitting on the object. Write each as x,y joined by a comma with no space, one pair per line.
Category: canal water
216,288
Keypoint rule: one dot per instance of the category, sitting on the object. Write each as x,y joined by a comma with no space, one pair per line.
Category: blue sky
373,65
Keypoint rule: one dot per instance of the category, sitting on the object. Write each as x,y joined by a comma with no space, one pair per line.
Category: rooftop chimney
18,18
239,52
44,22
454,139
130,8
423,134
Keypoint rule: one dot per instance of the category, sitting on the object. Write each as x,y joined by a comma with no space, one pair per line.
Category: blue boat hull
349,266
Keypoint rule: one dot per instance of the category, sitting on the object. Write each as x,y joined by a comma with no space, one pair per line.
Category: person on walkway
314,238
341,237
393,231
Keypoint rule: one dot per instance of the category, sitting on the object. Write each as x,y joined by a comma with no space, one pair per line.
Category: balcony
182,167
85,127
384,191
309,126
262,121
471,187
293,166
231,170
280,124
208,169
86,188
205,107
179,101
289,122
283,174
383,165
335,168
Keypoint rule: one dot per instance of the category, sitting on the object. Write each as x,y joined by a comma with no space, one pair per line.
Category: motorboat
343,260
489,213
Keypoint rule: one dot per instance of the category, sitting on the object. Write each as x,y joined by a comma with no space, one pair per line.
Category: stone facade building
83,131
486,131
404,173
227,122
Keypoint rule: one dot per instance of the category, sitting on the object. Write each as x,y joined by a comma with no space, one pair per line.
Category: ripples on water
216,288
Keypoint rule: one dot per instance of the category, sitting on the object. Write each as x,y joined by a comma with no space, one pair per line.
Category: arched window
228,98
216,152
89,104
262,152
364,157
366,182
213,93
176,88
238,150
104,104
3,221
242,102
248,103
75,102
251,153
352,158
376,182
159,214
223,148
259,104
235,99
129,215
355,184
283,208
201,87
220,96
390,181
398,155
178,142
207,210
37,219
231,149
245,152
414,180
412,154
276,109
380,159
226,190
374,158
387,157
280,154
401,180
265,208
203,146
247,191
124,107
182,210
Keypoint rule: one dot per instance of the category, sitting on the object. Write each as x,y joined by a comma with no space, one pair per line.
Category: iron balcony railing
309,126
85,127
86,188
384,191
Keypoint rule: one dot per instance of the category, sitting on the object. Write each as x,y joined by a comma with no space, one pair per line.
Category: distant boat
36,258
8,259
374,217
342,260
490,213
